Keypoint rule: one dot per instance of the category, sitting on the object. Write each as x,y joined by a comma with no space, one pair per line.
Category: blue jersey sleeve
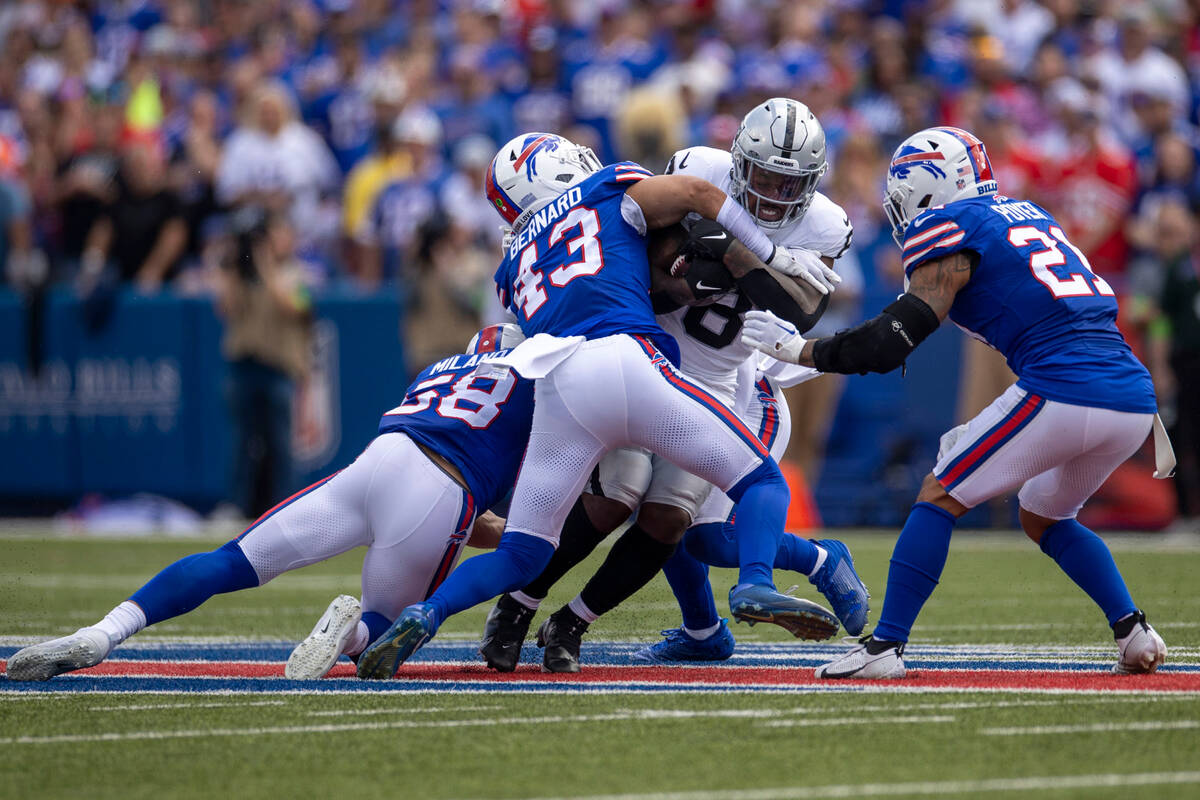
936,233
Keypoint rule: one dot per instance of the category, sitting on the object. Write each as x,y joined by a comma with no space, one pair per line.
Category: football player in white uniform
772,170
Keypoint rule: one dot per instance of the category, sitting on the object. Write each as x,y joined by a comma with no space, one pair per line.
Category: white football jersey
708,336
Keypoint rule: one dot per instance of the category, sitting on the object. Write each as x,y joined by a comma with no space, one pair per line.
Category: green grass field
997,590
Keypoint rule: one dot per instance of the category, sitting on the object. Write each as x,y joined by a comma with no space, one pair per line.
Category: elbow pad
880,344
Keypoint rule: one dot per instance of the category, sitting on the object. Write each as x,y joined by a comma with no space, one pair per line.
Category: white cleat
1140,647
317,654
84,648
870,660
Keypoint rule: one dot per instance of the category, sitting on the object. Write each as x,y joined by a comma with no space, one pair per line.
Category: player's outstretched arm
880,344
667,199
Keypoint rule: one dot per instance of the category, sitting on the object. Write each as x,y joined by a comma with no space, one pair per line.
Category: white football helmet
495,337
778,159
931,168
533,169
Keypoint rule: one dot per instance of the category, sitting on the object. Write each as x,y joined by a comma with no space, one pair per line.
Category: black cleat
504,632
561,635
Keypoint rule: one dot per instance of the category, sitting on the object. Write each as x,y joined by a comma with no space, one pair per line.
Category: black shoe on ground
561,635
504,632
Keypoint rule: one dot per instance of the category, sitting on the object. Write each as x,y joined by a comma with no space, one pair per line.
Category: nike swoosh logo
702,286
718,238
326,628
683,161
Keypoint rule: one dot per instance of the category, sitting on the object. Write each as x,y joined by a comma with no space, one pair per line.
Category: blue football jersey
1034,298
578,268
481,423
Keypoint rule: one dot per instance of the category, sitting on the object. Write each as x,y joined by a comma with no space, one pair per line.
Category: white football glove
764,331
798,262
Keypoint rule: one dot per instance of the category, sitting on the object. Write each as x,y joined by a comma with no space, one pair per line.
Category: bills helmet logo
910,158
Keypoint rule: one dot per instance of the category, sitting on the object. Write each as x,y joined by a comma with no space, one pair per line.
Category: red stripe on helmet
528,151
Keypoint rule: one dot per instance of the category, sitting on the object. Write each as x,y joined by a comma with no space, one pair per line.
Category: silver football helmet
778,159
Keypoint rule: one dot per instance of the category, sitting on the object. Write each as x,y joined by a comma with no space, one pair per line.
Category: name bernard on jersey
543,218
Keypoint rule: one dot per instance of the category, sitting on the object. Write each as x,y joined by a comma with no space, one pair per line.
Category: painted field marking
163,706
368,726
344,712
917,788
816,723
1099,727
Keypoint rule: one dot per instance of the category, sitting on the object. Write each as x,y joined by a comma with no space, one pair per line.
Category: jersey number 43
528,292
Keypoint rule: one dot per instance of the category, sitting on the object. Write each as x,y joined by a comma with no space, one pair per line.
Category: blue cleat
679,646
803,619
837,580
413,628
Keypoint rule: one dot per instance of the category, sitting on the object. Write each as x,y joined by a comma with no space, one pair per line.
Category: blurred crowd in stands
132,130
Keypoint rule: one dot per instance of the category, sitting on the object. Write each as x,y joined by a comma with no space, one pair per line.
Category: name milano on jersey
708,336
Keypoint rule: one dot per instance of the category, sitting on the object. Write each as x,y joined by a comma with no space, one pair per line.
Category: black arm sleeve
880,344
662,303
769,294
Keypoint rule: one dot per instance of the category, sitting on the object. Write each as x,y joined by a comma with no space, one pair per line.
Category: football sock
916,565
703,633
579,538
1087,560
122,622
190,581
688,578
715,544
377,625
517,560
358,640
822,554
580,609
635,558
532,603
762,498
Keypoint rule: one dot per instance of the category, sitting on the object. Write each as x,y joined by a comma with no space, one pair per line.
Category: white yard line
1099,727
362,712
918,788
163,706
917,719
200,733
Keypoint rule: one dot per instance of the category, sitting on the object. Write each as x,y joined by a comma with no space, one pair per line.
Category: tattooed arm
882,343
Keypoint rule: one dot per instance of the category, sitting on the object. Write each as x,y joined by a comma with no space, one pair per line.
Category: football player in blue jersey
413,498
1002,270
772,169
577,278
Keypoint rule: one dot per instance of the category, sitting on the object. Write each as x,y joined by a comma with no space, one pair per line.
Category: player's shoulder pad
626,172
825,228
708,163
938,232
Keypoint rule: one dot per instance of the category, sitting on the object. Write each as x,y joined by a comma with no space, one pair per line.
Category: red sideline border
748,677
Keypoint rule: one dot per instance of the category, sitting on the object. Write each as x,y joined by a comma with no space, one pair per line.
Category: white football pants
619,391
1058,453
411,516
